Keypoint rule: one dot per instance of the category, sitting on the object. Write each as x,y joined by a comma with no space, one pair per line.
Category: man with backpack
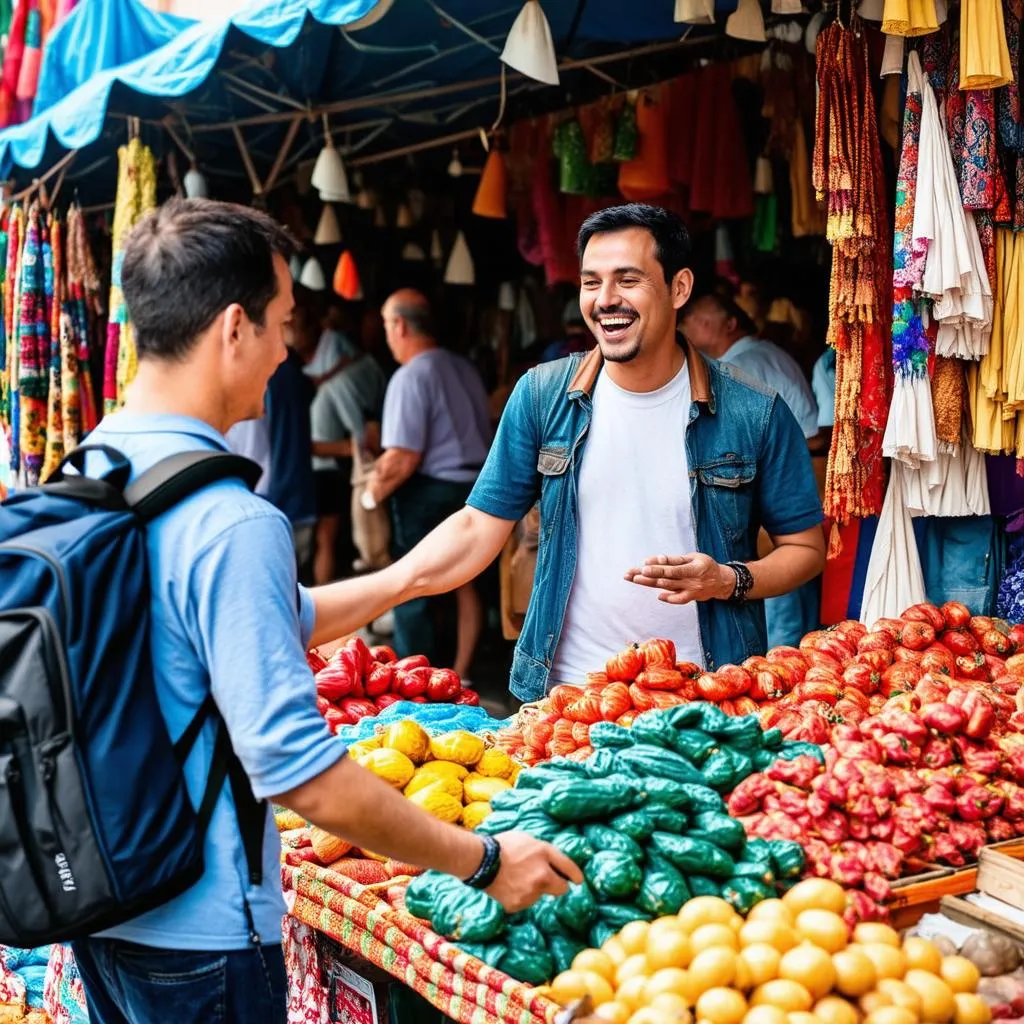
156,597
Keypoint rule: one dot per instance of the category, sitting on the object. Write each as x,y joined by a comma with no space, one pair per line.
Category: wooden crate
978,917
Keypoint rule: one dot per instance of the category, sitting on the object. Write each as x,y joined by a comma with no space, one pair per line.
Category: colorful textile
64,993
33,344
1011,127
55,446
307,998
12,288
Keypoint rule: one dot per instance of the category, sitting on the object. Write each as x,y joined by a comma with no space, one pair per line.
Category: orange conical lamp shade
346,278
646,176
492,194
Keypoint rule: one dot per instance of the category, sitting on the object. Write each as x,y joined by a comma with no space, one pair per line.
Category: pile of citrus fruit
790,961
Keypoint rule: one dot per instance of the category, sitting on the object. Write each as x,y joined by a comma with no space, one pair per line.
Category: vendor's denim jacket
748,466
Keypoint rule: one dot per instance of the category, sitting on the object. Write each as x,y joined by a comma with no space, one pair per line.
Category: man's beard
621,355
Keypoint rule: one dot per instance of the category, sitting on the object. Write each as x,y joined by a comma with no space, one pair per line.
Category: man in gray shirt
435,434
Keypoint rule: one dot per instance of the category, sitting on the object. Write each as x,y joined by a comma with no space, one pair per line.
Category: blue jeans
130,984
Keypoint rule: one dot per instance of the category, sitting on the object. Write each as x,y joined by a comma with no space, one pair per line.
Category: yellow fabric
995,385
909,17
984,56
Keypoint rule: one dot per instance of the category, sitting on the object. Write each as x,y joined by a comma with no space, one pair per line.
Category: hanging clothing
33,343
984,56
909,17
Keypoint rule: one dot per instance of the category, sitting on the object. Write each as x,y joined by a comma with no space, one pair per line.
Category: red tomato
971,666
1015,665
955,614
713,687
688,669
660,677
905,656
625,666
995,642
470,697
824,674
443,685
658,653
769,683
1017,636
781,653
823,659
959,641
850,632
932,689
862,678
891,626
412,682
981,624
413,661
824,692
939,659
925,612
900,677
877,661
917,635
383,654
879,640
599,679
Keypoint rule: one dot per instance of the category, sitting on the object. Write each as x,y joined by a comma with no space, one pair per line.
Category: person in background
331,348
577,337
280,442
823,383
230,622
721,330
435,435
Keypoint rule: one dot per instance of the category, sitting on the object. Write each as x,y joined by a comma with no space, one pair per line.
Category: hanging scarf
33,346
847,173
12,277
82,290
55,450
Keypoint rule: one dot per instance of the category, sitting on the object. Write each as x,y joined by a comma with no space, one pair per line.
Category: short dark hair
187,261
671,239
417,316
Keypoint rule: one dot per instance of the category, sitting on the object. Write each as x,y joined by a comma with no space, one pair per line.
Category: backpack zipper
51,561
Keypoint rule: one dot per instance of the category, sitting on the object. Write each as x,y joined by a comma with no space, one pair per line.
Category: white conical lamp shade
746,22
695,12
455,166
295,267
764,181
327,230
366,199
412,253
329,177
312,276
460,268
529,48
787,7
404,218
436,250
195,184
507,297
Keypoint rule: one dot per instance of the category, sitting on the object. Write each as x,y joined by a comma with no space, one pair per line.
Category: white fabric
910,429
954,484
892,56
634,503
954,274
894,579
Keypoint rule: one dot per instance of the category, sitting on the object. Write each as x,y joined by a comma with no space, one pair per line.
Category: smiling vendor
655,468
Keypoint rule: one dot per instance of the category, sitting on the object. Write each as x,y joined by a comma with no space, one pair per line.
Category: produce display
788,961
359,681
644,818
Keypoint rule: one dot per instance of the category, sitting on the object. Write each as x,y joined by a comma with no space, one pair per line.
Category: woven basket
372,922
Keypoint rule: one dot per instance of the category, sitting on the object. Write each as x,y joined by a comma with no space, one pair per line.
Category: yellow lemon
711,968
635,966
960,974
873,1001
836,1010
824,928
815,894
613,1012
889,962
708,936
596,960
803,1017
855,973
900,994
891,1015
786,995
771,910
721,1006
634,937
568,987
762,961
875,931
615,951
766,1015
670,1003
651,1015
705,910
921,955
633,992
668,947
809,966
936,996
668,981
971,1009
770,932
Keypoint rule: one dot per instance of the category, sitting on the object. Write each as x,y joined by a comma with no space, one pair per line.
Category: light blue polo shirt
225,616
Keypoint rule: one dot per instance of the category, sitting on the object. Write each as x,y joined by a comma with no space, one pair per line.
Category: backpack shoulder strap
177,477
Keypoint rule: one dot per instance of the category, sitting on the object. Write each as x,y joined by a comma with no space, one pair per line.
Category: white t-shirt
634,503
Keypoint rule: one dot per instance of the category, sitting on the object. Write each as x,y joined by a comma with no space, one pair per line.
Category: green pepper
608,735
524,961
537,823
618,915
724,831
601,764
666,819
590,800
754,869
699,799
689,716
544,915
563,951
759,850
788,857
793,749
701,885
511,799
654,729
638,825
498,821
663,890
574,845
454,909
764,759
600,933
601,837
724,770
613,876
694,745
744,732
744,893
665,791
646,761
772,739
695,855
577,908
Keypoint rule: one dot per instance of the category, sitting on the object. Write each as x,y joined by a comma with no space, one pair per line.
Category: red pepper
982,719
748,796
999,830
361,656
801,771
335,719
468,697
944,718
938,753
905,781
847,869
977,758
322,704
335,681
385,700
413,661
316,661
379,680
383,655
945,849
884,858
899,750
906,725
862,809
443,685
978,803
834,827
359,708
906,840
412,683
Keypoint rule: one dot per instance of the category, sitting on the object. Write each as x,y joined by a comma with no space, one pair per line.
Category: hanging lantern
413,253
460,268
327,230
507,297
455,165
404,219
312,276
764,184
529,48
492,193
436,249
695,12
295,267
747,22
195,184
346,278
329,176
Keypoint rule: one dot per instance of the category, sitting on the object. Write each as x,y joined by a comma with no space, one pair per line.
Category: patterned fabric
33,344
55,448
64,994
380,930
1010,603
1011,128
308,1001
12,277
971,127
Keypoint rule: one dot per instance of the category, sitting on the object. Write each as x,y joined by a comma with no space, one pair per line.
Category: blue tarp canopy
391,72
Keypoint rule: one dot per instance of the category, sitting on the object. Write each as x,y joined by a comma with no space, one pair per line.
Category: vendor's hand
530,869
685,578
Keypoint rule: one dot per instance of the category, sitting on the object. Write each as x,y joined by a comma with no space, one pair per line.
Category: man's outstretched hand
530,869
685,578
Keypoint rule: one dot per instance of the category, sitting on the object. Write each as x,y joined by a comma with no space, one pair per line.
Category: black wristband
489,866
744,582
